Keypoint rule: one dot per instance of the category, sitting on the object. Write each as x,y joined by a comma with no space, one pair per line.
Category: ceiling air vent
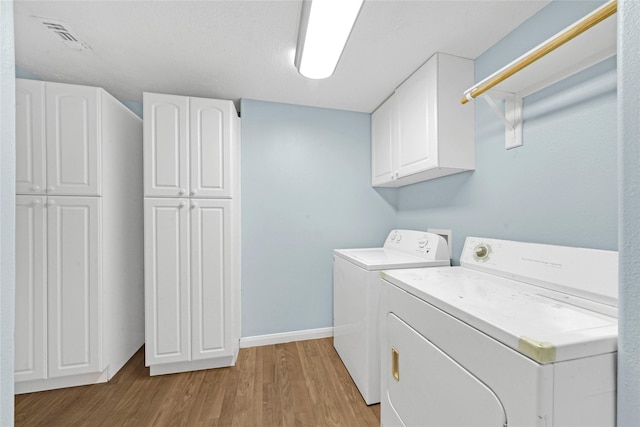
62,30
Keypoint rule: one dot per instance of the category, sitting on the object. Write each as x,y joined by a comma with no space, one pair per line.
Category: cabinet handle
395,364
182,191
182,204
193,192
194,205
50,188
35,188
51,202
36,202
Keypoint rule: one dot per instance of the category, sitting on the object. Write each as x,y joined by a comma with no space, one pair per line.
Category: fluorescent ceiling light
325,26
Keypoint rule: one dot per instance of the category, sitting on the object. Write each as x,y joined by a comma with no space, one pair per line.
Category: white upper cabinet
422,131
210,146
31,154
188,146
382,138
166,133
57,134
73,156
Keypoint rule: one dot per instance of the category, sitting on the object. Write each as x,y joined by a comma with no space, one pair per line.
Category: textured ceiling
245,49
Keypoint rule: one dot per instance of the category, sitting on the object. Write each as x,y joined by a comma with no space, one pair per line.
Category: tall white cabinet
79,253
192,233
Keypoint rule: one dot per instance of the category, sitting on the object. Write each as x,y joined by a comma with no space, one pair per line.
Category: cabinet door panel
30,139
382,143
166,281
31,307
74,288
416,121
166,151
73,153
210,278
210,148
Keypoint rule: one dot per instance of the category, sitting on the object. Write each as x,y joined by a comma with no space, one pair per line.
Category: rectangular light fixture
325,26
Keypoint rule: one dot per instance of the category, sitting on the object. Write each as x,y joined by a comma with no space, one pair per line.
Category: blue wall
560,187
306,191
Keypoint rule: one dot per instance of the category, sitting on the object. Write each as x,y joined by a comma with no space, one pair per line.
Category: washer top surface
402,249
545,325
384,259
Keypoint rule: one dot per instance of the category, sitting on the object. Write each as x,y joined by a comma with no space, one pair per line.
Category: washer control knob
481,251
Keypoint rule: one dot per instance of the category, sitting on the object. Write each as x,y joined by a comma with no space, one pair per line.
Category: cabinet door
416,121
167,314
382,143
73,283
166,151
30,139
73,152
31,307
211,278
210,147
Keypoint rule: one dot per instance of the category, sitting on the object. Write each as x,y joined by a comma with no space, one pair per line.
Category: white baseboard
284,337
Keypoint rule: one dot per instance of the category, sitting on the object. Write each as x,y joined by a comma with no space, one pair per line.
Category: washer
356,296
520,334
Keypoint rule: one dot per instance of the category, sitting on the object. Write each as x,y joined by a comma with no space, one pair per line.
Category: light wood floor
296,384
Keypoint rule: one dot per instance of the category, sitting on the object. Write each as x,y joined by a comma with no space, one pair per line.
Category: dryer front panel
427,387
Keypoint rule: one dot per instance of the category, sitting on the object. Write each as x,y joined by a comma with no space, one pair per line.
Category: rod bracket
512,117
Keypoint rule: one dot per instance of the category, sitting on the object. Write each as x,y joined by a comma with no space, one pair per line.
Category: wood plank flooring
302,383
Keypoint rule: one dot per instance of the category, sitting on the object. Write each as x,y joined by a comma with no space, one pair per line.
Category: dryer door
428,388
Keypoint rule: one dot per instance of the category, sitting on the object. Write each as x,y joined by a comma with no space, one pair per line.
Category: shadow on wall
448,191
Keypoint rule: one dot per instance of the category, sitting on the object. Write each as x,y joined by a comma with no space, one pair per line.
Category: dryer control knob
481,251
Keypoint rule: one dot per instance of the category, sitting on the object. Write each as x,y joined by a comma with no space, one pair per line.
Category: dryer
356,296
520,334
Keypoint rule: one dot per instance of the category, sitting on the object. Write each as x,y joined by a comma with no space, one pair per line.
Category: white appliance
356,296
520,335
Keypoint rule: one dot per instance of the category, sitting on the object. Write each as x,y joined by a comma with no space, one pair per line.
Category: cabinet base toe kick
61,382
196,365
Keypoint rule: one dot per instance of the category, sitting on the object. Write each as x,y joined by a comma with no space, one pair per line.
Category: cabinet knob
50,188
35,188
51,202
194,205
182,191
193,192
182,204
36,202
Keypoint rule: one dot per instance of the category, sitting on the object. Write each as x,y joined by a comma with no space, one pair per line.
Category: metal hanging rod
553,43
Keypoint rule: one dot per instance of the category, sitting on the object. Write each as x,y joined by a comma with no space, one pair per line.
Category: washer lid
547,326
382,259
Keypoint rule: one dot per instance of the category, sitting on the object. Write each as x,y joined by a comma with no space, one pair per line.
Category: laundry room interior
302,184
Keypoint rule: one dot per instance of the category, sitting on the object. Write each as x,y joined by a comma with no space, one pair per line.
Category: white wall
629,236
7,210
